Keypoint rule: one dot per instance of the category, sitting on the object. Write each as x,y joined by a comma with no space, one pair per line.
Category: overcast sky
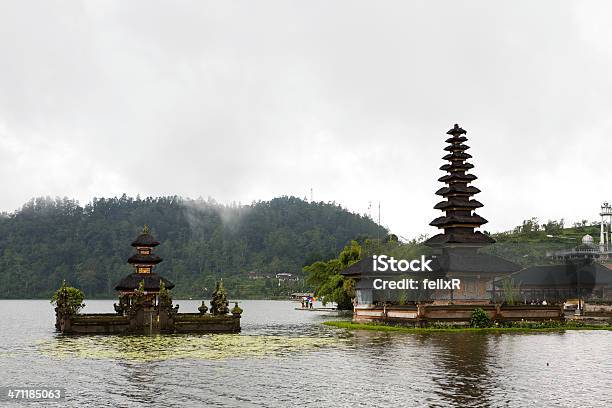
255,99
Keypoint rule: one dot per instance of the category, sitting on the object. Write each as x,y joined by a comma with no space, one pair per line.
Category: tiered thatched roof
459,220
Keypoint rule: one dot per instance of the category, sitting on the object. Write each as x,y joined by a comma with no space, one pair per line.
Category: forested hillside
53,239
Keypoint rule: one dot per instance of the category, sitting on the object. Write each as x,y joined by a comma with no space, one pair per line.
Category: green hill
48,240
530,243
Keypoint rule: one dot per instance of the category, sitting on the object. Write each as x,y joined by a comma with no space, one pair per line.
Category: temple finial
456,131
145,229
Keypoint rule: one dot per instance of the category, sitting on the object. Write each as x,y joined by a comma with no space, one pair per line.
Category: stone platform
424,314
148,322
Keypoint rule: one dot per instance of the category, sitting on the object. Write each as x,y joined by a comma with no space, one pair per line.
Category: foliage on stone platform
68,300
219,304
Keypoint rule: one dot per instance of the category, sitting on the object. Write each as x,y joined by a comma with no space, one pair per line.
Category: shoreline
389,328
175,299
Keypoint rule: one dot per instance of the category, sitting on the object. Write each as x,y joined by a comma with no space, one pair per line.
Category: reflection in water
480,369
165,347
464,359
142,377
455,366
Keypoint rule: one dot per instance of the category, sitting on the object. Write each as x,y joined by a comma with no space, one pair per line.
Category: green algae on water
167,347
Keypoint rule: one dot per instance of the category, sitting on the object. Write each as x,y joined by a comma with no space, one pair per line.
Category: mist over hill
48,240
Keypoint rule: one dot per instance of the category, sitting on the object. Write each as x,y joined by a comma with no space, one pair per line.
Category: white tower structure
606,221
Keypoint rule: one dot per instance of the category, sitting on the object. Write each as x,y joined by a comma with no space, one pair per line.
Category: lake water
285,358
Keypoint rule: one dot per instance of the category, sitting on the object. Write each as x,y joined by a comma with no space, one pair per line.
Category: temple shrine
143,278
457,246
145,304
456,257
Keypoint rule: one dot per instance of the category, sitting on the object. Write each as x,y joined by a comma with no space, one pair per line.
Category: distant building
583,272
257,275
284,276
587,250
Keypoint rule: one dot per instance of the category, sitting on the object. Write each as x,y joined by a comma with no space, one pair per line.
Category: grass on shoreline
403,329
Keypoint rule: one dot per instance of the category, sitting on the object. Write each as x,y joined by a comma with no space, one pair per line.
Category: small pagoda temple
458,243
145,304
143,262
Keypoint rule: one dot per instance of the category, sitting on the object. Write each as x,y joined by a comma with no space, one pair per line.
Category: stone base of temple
196,323
602,309
143,323
444,302
426,314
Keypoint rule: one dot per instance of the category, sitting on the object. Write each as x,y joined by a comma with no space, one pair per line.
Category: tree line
51,240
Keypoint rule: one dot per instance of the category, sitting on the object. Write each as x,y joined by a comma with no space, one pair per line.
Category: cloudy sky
251,100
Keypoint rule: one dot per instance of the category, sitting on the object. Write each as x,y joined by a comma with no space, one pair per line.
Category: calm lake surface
285,358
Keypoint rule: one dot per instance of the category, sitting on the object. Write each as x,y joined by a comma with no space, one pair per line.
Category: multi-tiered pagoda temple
143,262
460,218
457,257
459,242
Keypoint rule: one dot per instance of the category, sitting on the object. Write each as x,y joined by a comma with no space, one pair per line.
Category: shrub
480,319
544,324
68,300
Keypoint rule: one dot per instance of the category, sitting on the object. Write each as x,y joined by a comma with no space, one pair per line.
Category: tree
553,227
530,225
329,284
